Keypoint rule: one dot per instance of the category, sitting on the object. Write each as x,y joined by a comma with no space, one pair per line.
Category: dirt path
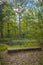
21,58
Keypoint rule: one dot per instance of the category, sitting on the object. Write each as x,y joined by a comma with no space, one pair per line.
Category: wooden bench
10,50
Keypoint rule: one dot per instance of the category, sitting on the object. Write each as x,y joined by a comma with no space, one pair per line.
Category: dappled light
21,31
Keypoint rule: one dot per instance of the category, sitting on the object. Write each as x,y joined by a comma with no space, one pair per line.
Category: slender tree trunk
8,31
19,27
1,28
1,31
1,22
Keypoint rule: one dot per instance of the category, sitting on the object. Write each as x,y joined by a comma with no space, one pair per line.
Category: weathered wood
24,49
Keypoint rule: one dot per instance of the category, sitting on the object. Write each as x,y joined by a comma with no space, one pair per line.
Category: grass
5,46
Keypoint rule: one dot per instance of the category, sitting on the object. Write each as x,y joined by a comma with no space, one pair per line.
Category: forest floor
21,58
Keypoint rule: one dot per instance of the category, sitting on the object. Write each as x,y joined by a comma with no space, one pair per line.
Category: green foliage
8,25
41,62
23,45
3,47
30,25
40,22
3,62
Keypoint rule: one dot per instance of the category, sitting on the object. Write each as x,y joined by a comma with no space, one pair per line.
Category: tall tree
1,18
28,23
6,16
19,8
39,6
